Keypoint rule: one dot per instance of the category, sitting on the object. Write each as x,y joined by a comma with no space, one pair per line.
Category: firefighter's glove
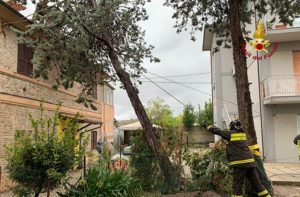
208,127
204,126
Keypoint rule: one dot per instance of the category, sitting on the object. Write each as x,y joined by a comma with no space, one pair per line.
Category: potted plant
281,26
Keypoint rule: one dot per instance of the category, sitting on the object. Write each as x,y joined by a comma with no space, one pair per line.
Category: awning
83,119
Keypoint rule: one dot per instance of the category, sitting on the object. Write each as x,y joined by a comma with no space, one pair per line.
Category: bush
210,169
143,161
205,116
101,181
39,160
146,165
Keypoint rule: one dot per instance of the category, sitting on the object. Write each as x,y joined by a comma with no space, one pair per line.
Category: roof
110,86
15,5
283,35
13,17
82,119
207,39
133,126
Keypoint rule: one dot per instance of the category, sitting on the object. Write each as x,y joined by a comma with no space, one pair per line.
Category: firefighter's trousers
239,175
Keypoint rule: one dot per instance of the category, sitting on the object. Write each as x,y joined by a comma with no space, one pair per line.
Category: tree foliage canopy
189,116
197,14
160,113
73,38
205,116
92,41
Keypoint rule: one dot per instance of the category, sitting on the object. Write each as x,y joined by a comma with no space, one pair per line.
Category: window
25,56
108,95
94,94
94,140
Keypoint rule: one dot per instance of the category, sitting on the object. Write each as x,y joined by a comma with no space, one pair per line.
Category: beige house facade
20,94
274,86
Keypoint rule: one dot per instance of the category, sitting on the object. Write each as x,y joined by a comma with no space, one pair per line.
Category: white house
275,89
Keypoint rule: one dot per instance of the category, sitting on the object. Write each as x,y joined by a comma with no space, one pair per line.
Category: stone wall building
20,94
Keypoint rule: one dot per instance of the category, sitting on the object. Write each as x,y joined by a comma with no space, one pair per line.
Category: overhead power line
197,90
184,75
164,90
184,82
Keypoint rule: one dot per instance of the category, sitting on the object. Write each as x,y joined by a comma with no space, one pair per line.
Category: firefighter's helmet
235,125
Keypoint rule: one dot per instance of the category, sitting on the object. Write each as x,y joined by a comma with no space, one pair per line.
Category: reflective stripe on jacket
237,150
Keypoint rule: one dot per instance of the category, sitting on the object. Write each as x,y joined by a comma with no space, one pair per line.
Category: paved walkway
284,173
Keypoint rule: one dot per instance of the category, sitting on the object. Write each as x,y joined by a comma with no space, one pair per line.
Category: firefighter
240,159
297,142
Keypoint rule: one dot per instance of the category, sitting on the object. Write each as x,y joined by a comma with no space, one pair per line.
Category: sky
179,56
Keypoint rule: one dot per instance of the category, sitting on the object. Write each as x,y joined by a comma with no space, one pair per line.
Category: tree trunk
241,77
165,164
242,88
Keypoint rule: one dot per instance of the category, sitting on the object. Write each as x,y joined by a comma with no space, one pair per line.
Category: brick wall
14,117
8,49
26,89
8,60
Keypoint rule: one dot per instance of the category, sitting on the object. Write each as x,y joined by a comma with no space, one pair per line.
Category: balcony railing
281,85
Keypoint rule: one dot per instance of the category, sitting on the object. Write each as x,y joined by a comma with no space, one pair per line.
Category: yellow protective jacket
237,151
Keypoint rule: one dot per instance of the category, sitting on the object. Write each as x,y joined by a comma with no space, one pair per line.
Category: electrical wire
191,87
184,75
164,90
190,82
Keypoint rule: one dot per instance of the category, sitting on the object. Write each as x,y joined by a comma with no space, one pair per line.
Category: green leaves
205,116
42,155
73,39
210,169
189,116
101,181
160,113
194,15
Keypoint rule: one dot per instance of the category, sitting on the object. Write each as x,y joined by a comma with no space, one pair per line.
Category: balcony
283,33
281,89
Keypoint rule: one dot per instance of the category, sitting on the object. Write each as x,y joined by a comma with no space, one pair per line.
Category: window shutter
29,66
25,56
95,92
21,65
93,140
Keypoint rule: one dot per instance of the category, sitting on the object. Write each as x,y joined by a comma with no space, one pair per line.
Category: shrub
101,181
210,169
205,116
39,160
143,161
146,165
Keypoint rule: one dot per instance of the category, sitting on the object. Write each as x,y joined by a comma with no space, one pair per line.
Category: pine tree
85,40
228,19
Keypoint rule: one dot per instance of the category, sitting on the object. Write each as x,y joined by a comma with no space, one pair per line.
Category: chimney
16,6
